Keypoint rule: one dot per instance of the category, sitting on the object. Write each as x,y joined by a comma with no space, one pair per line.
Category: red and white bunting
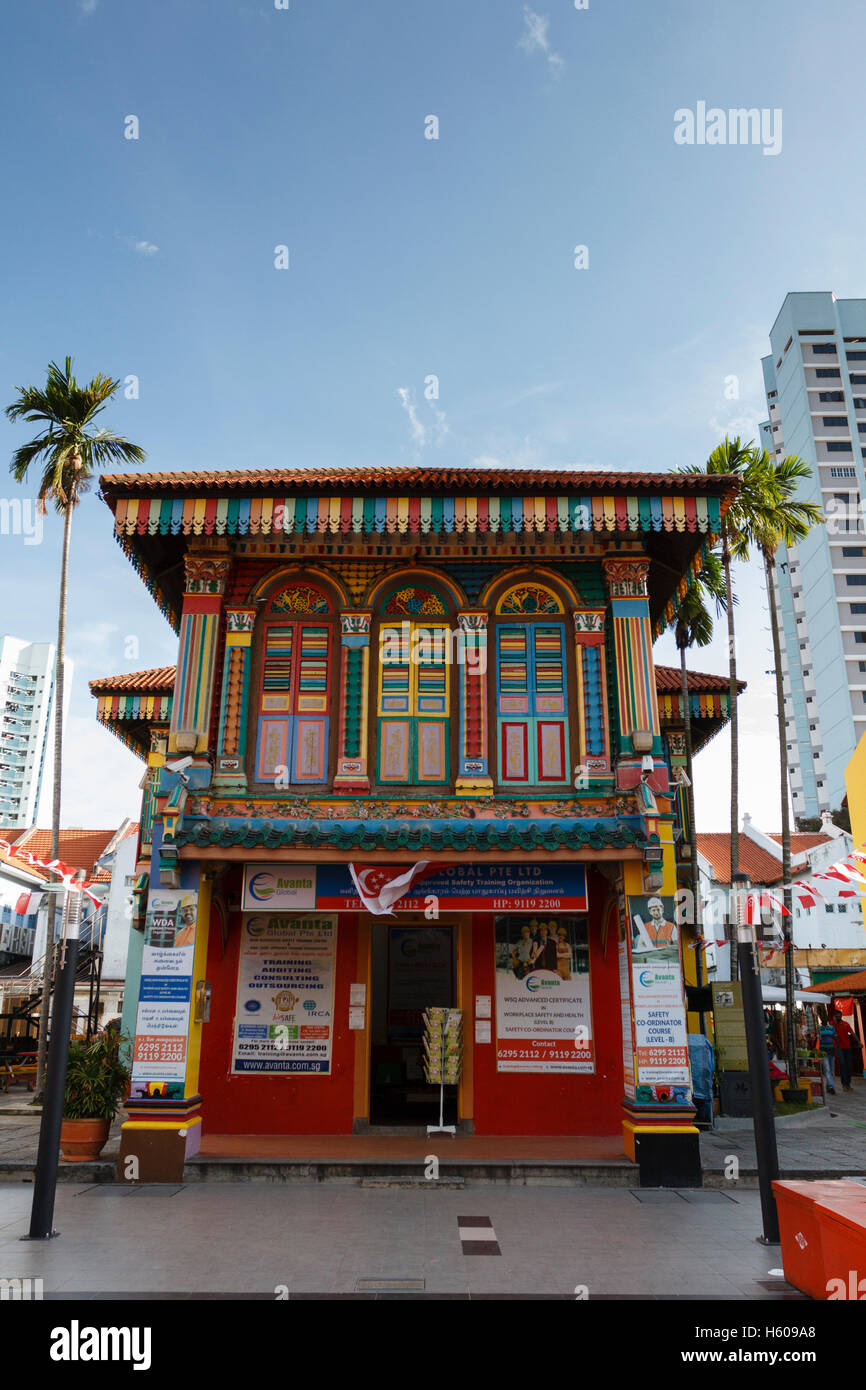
66,872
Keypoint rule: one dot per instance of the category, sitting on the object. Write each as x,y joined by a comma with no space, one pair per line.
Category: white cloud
87,6
422,435
139,245
535,39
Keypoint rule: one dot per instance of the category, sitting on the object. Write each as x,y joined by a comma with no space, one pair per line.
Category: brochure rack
443,1056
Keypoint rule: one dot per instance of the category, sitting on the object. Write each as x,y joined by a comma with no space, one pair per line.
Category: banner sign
278,888
284,1020
551,887
660,1032
162,1022
543,1009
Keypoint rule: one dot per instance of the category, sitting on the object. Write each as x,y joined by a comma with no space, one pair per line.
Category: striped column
593,725
632,636
234,701
352,774
473,777
196,659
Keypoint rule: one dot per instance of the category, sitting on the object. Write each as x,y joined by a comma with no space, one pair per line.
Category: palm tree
69,453
750,505
788,522
693,626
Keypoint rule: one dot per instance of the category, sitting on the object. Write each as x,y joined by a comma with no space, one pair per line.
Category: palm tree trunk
735,754
48,965
787,922
693,834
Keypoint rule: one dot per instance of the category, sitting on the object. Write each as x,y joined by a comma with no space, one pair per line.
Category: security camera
179,764
647,765
682,777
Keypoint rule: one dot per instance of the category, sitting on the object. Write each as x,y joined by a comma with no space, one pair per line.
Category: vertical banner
162,1021
284,1020
661,1034
626,1019
543,1006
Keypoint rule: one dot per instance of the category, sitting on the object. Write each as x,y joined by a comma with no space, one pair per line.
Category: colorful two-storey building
414,753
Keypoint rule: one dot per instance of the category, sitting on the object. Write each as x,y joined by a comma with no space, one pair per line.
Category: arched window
294,687
531,690
413,697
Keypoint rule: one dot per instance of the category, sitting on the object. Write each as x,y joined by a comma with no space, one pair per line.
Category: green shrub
96,1078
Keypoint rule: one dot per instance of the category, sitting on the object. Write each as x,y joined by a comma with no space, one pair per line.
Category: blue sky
409,257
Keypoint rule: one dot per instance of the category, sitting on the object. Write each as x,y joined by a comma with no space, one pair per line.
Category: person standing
827,1046
844,1042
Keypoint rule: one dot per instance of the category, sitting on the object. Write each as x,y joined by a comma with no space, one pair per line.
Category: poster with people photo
543,1013
655,935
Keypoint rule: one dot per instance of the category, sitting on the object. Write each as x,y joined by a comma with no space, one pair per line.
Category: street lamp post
48,1156
759,1071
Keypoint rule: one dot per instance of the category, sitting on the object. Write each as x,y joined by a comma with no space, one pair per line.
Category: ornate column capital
589,625
626,576
205,574
355,623
473,620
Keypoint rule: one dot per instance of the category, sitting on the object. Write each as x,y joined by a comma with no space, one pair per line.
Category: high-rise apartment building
27,730
815,380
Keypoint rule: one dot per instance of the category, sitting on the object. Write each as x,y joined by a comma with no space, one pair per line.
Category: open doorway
412,968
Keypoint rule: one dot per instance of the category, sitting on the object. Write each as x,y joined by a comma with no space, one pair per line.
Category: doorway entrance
413,967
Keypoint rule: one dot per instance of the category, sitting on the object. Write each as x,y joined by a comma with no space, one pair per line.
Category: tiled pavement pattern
250,1240
477,1236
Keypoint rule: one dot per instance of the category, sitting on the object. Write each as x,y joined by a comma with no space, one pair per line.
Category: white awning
774,994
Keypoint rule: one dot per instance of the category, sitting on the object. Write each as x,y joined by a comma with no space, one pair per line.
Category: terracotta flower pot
81,1141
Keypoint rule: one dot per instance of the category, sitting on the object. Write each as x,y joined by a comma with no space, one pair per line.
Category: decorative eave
709,702
441,836
672,516
130,704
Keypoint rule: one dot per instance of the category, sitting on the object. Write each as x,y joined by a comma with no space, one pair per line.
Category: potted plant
96,1081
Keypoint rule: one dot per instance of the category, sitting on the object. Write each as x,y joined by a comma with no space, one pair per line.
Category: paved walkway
267,1241
832,1142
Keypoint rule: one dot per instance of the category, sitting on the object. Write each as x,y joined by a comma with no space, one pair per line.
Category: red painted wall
526,1103
274,1104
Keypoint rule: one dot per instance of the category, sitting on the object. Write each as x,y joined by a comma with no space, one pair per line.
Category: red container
800,1229
842,1224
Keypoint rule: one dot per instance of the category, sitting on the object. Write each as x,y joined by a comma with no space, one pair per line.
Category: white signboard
661,1038
543,1010
162,1022
279,888
284,1021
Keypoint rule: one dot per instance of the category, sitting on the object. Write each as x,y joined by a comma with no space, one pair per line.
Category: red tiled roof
81,848
433,479
758,863
15,863
157,678
801,841
668,678
843,984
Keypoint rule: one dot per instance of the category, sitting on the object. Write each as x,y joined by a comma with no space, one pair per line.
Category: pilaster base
665,1144
158,1138
352,783
234,783
474,786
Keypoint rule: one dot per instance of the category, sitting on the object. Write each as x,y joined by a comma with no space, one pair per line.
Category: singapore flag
379,889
